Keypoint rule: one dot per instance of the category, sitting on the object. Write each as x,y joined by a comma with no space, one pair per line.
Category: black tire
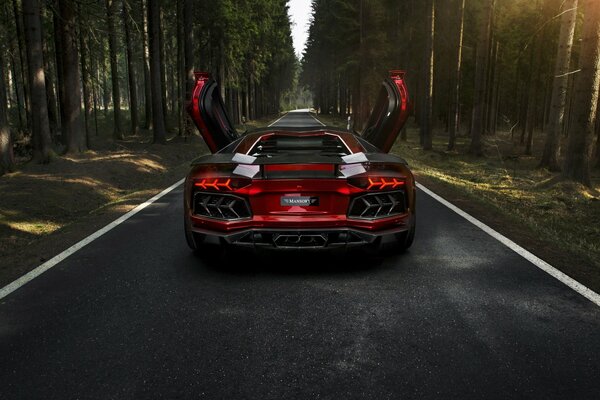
406,239
189,236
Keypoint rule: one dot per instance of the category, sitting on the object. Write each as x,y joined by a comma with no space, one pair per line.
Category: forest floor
555,219
44,209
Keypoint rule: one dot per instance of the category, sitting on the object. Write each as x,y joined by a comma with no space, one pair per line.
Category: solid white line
277,120
11,287
315,118
538,262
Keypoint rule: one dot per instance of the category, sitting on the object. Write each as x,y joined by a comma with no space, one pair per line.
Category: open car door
389,114
208,113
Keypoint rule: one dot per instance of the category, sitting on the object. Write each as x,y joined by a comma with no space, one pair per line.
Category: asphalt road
136,314
297,119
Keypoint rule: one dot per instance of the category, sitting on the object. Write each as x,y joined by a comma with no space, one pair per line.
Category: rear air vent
221,206
377,205
301,144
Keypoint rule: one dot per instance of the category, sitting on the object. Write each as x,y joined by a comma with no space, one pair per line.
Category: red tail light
377,183
222,184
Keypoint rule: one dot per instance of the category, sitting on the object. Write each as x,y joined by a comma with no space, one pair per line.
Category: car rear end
329,201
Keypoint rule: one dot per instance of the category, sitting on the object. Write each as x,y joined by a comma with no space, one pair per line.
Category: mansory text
300,188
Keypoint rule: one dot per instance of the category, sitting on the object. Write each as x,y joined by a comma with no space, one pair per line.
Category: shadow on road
288,263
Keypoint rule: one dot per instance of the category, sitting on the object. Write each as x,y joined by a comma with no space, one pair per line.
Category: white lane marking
315,118
538,262
277,120
11,287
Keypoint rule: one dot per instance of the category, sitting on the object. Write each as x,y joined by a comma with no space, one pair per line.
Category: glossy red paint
334,195
397,78
202,79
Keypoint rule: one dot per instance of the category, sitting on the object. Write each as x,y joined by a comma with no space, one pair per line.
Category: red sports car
311,187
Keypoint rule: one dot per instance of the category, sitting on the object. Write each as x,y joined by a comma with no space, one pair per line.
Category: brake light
222,184
382,183
377,183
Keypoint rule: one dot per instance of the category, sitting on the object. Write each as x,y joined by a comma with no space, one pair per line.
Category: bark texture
481,67
560,86
159,132
426,127
7,160
40,126
72,123
585,99
455,97
114,67
133,98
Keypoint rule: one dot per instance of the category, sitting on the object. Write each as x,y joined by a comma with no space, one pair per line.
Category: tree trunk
180,68
53,107
493,99
481,67
102,71
111,7
7,160
37,82
426,127
560,86
159,133
534,91
598,136
133,98
17,92
146,57
22,57
162,57
88,91
585,99
455,97
56,114
188,56
71,103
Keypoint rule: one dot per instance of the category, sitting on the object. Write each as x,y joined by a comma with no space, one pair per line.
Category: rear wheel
406,239
189,238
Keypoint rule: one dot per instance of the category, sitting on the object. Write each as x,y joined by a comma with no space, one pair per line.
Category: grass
563,213
41,200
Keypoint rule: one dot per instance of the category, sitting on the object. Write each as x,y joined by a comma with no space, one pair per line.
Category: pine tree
585,99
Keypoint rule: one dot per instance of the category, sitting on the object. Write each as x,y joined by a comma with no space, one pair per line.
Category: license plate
299,201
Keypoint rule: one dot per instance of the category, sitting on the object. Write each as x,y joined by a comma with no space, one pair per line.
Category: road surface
135,314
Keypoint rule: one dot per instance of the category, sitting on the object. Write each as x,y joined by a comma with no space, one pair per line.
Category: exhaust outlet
299,240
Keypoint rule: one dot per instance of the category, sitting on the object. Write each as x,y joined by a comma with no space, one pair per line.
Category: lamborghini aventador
319,188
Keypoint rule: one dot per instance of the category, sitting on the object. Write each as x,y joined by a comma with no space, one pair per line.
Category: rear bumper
335,239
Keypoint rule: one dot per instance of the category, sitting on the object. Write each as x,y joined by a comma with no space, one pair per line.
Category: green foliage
247,40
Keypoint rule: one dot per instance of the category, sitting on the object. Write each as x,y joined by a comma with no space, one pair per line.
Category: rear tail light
221,184
377,183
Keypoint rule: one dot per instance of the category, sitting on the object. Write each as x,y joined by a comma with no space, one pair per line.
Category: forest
68,64
474,68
